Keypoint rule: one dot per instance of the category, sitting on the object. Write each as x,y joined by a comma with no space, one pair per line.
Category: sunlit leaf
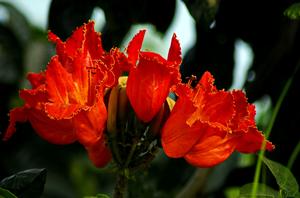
98,196
262,191
293,11
284,178
28,183
6,194
232,192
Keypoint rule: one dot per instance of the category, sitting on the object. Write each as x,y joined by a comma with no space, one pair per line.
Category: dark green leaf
262,191
6,194
29,183
293,12
284,178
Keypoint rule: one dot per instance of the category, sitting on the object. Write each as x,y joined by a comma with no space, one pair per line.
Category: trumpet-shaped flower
66,102
206,125
151,77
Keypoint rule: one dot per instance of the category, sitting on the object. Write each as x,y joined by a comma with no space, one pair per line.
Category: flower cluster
74,99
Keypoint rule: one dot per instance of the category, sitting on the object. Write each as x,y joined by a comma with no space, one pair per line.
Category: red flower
206,125
151,77
66,103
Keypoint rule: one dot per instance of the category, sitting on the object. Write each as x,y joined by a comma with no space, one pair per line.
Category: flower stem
121,185
294,155
114,148
267,134
131,152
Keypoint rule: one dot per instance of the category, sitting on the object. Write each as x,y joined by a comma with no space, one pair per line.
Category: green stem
294,155
121,185
131,152
267,134
122,178
115,149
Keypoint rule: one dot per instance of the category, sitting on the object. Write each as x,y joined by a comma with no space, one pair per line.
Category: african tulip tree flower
206,125
66,103
151,77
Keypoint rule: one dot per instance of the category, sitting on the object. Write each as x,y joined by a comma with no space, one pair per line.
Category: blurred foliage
293,11
273,37
262,191
98,196
6,194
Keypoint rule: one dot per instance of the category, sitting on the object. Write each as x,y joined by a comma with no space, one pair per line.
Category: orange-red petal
83,39
148,85
69,92
206,83
251,141
89,124
177,136
59,82
16,115
92,41
36,79
210,124
174,60
134,47
61,111
99,153
66,50
244,113
34,98
214,107
174,55
210,151
54,131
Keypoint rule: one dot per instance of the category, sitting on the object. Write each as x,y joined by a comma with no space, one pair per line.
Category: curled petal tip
207,82
175,51
91,22
16,115
134,46
270,146
36,79
53,37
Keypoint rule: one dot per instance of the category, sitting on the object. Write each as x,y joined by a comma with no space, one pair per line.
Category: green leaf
29,183
98,196
232,192
293,12
6,194
262,191
284,178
